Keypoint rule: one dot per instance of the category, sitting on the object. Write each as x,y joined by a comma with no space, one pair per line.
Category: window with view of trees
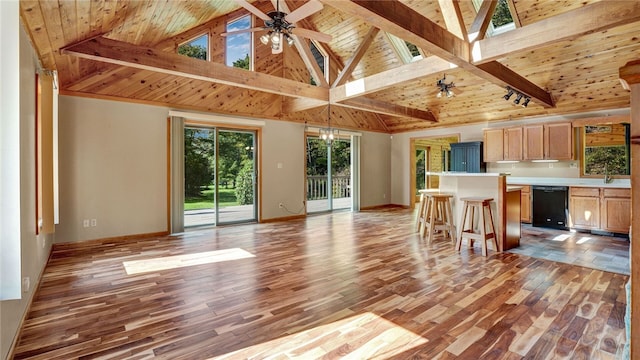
407,51
606,146
196,48
501,20
238,46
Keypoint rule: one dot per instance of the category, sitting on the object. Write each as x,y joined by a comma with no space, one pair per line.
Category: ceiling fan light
264,39
449,93
289,40
275,37
439,94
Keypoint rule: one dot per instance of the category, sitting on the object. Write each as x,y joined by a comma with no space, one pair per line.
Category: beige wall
34,248
113,168
375,169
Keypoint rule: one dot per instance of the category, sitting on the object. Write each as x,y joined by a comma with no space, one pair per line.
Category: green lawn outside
227,198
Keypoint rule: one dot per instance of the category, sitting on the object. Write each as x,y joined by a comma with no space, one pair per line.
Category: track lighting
519,96
509,93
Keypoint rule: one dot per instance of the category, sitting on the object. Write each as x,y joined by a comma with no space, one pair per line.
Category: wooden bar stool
482,205
438,216
423,206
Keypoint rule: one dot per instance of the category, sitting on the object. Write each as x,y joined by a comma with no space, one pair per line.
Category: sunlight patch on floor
561,237
583,240
179,261
363,336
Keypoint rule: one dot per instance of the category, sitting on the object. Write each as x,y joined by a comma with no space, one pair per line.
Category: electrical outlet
94,222
281,205
85,223
26,284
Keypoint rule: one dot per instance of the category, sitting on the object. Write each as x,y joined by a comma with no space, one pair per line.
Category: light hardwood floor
347,285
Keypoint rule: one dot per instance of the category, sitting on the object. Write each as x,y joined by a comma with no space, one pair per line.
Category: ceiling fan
281,27
444,88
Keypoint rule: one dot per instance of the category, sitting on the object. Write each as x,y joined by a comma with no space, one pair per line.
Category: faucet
607,178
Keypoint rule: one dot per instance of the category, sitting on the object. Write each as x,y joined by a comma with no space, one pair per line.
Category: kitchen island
505,205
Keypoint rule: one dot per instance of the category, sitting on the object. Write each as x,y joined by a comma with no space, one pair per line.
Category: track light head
526,101
509,93
518,98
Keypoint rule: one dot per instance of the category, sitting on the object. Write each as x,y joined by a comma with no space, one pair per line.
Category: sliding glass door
219,176
329,173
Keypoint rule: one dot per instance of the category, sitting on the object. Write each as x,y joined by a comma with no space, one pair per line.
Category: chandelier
444,88
328,134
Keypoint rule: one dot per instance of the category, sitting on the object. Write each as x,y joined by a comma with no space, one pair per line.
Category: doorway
219,176
428,155
329,173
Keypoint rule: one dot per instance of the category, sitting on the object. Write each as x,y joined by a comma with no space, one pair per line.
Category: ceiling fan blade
312,6
312,35
253,9
242,31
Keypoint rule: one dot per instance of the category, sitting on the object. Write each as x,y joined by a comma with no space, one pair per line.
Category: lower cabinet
525,203
584,208
616,210
606,209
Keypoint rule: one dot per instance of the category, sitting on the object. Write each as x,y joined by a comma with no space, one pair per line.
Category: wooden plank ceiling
566,66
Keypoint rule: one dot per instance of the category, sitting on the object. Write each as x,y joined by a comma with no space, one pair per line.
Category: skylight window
197,48
501,21
320,58
406,51
238,50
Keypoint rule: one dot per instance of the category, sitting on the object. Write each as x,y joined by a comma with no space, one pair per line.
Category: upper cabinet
503,144
531,142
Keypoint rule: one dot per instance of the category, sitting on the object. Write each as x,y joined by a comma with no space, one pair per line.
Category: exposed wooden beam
481,23
404,22
291,105
514,13
304,50
588,19
453,18
353,61
125,54
390,78
380,107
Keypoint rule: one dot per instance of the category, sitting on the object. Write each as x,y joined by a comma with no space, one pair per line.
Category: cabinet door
458,155
533,142
585,212
616,215
512,144
493,145
525,204
558,141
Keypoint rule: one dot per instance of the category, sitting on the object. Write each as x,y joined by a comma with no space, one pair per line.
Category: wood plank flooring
347,285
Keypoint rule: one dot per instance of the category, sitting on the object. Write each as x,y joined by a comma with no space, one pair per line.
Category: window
238,51
606,149
501,21
406,51
320,58
197,48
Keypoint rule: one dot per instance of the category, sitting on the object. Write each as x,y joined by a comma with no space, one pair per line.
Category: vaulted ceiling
565,55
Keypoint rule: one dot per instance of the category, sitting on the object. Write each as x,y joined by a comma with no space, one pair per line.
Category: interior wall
35,249
113,168
375,169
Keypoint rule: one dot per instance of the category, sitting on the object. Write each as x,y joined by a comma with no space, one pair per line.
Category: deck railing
317,187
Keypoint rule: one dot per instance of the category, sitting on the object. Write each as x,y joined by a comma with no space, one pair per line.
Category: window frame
194,38
492,30
402,49
325,58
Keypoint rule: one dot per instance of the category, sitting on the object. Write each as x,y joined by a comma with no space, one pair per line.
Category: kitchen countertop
545,181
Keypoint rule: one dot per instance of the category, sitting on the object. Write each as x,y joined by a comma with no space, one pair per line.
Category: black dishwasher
550,206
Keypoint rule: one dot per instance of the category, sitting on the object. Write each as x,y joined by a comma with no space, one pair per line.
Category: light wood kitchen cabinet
548,142
493,145
558,141
584,208
616,210
503,144
513,144
525,203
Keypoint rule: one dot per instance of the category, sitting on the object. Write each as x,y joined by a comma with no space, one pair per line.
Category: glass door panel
341,173
317,175
236,172
199,187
